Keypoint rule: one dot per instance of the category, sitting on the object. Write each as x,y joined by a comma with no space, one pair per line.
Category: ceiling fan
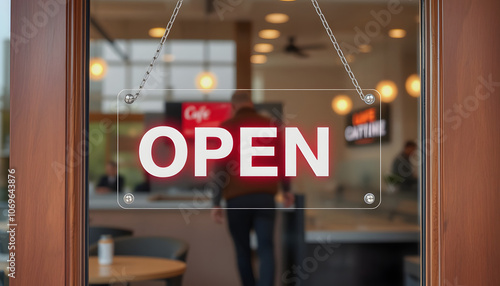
298,51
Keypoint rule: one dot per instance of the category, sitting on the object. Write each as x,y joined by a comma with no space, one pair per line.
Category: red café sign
206,114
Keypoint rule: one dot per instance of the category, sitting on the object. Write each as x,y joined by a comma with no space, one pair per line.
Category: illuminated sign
367,126
247,152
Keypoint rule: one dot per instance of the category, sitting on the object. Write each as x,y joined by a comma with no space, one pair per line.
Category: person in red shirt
250,200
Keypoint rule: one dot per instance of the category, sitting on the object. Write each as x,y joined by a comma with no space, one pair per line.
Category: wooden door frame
49,120
460,153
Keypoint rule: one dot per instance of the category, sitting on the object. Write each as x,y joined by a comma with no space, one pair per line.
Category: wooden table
133,268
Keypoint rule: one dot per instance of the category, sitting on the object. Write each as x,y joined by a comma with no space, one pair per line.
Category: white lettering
146,148
294,139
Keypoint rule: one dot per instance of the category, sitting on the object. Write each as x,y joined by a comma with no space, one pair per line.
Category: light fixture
388,90
397,33
206,81
168,58
342,104
263,48
413,85
277,18
258,59
269,34
365,48
156,32
98,68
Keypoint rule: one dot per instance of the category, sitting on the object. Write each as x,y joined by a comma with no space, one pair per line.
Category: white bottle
105,249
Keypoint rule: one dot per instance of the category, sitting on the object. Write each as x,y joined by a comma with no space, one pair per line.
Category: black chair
163,247
95,233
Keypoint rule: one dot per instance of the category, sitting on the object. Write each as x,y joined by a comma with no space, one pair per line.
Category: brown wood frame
48,122
461,152
431,145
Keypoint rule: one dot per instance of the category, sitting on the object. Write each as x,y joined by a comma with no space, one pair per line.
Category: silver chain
129,98
369,98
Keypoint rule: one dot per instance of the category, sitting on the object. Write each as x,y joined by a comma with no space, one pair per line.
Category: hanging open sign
177,148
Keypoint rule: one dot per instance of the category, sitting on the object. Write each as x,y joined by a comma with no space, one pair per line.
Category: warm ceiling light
342,104
206,81
397,33
156,32
263,48
413,85
98,68
258,59
388,90
269,34
168,58
365,48
277,18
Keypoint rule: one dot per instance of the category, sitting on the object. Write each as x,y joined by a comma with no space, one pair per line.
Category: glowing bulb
388,90
98,68
156,32
258,59
397,33
263,48
365,48
277,18
206,81
413,85
269,34
342,104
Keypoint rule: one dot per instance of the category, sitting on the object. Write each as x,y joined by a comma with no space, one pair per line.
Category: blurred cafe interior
280,53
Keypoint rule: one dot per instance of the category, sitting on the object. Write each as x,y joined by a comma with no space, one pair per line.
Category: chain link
159,48
338,49
321,17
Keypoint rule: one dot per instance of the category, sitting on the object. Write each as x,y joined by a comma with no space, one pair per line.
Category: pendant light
206,81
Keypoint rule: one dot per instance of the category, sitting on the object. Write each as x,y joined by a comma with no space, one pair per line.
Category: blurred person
250,201
403,169
111,181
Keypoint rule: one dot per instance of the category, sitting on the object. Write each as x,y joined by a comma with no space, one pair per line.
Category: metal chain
369,98
129,98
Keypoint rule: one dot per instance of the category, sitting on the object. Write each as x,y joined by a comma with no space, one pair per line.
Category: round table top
133,268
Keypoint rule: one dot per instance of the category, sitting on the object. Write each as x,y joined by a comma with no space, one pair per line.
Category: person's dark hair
410,144
241,97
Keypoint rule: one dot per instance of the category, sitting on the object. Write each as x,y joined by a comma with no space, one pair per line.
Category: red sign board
203,114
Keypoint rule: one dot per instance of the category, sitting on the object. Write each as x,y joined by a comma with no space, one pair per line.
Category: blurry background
217,46
258,44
